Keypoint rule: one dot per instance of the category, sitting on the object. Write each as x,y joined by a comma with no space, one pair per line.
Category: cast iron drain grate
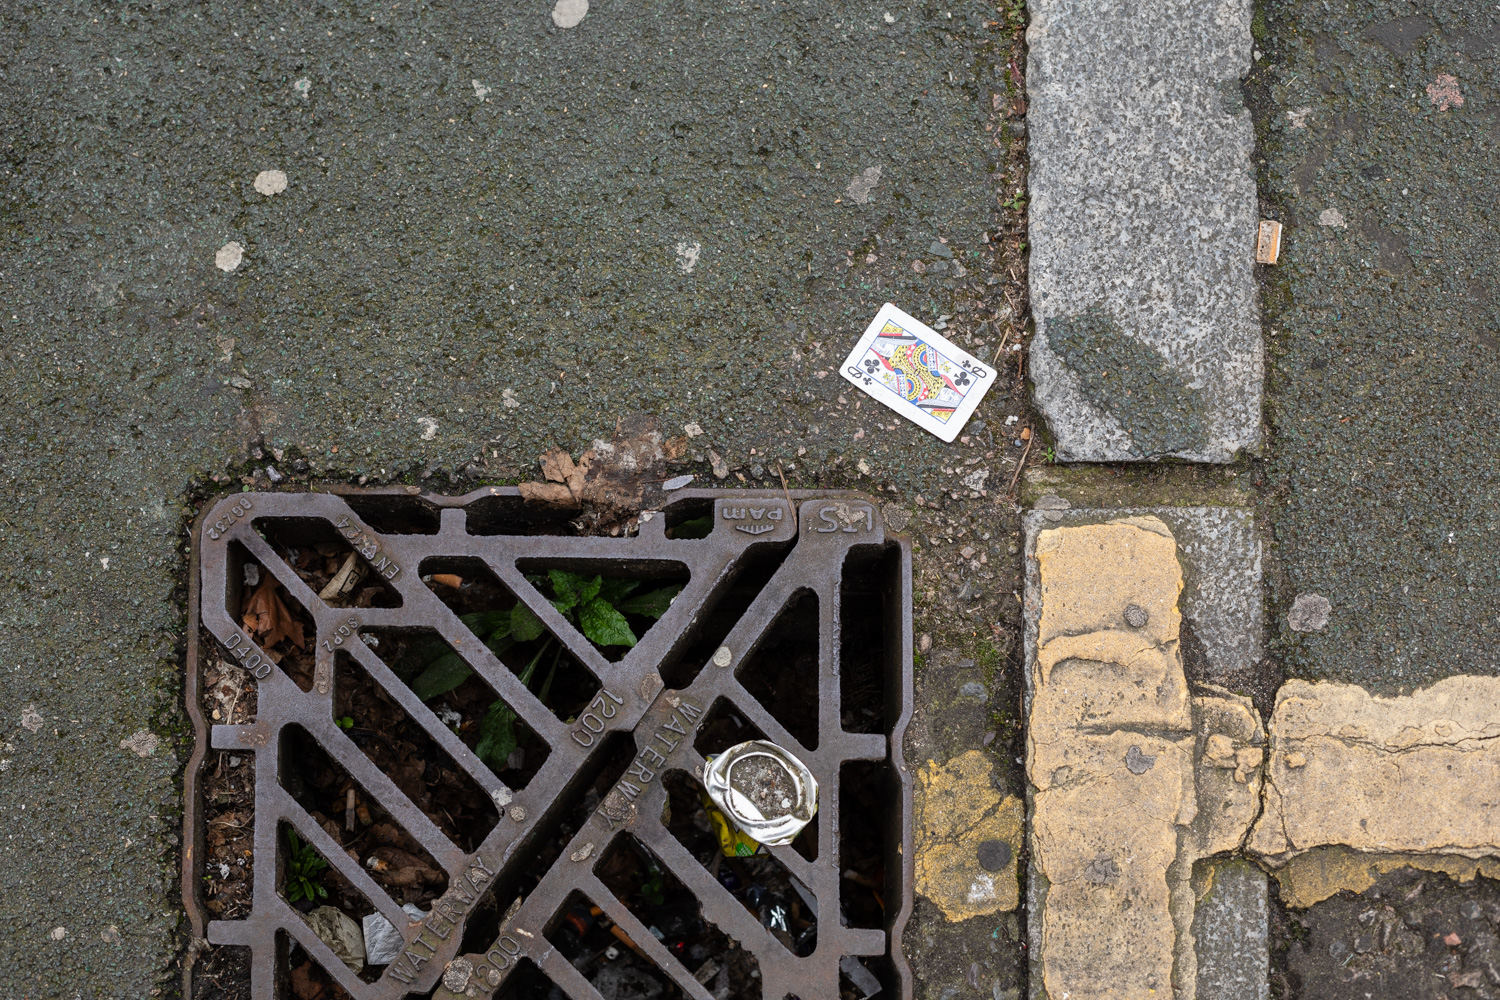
791,625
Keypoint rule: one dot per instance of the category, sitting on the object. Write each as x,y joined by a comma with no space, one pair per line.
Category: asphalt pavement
496,234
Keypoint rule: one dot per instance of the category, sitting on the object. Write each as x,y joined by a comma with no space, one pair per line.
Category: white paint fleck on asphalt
269,182
863,185
975,480
890,18
568,13
104,561
31,718
58,933
1299,117
1332,218
303,86
480,90
229,256
142,741
688,252
692,430
429,427
509,399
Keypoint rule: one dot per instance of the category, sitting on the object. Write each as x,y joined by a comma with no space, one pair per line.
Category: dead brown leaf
305,984
674,448
266,617
557,465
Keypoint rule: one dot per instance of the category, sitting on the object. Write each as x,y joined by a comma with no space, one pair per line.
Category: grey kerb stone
1142,227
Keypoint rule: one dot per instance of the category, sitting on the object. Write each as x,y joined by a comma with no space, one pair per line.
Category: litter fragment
863,979
383,943
1268,242
340,933
763,790
916,371
677,482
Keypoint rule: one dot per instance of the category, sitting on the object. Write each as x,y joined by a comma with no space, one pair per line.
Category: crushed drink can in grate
763,790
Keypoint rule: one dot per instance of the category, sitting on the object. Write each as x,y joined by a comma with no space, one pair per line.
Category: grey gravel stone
1309,613
1142,219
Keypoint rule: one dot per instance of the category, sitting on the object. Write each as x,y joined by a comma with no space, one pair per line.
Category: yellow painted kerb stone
967,839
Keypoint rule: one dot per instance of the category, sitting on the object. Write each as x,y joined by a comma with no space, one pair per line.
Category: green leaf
524,625
569,590
487,624
500,643
441,676
652,605
698,527
604,625
497,735
614,590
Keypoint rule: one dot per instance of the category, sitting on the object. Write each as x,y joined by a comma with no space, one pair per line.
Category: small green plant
347,722
302,868
596,607
1048,455
697,527
652,890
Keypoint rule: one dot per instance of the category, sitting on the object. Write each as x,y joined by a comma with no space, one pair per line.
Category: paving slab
497,233
1142,221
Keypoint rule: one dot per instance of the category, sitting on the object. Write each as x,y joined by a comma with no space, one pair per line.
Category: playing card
917,372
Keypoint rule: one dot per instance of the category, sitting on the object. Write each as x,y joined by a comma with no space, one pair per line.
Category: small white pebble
229,256
58,933
269,182
890,18
302,86
429,427
569,13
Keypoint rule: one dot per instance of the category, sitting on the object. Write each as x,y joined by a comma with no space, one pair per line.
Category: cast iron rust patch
699,678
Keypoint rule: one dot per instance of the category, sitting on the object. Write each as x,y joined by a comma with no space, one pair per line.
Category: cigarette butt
1268,242
448,580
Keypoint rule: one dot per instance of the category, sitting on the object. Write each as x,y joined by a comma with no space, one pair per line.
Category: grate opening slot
510,515
647,888
393,514
722,611
327,563
865,845
396,860
404,752
480,718
869,631
782,671
604,954
759,882
488,609
269,614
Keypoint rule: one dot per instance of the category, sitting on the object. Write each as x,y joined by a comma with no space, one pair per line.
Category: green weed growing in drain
597,607
1048,455
302,869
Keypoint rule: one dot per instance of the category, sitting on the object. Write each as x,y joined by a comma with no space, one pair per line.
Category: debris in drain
383,943
862,978
767,794
608,481
342,935
911,368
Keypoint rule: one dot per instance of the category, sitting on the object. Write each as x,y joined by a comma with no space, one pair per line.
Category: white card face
918,372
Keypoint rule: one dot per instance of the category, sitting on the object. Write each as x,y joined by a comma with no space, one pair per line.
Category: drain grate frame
815,533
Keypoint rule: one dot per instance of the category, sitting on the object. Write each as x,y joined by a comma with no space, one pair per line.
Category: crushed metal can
767,794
